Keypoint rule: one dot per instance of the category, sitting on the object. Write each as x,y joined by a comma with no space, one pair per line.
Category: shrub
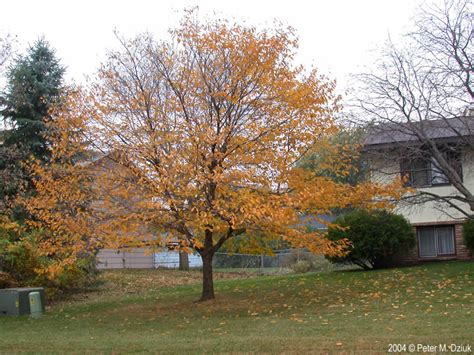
236,261
302,266
321,264
376,238
21,259
294,256
24,263
468,234
6,281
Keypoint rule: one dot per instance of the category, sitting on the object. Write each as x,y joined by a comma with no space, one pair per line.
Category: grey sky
335,36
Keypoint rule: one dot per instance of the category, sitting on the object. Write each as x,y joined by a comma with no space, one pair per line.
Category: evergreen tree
34,84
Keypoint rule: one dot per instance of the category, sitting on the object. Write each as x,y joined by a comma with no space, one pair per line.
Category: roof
318,222
91,156
389,134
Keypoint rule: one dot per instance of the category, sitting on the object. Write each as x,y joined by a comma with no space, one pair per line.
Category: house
144,249
439,201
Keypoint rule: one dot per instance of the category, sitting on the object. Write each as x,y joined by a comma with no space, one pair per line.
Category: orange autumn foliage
203,135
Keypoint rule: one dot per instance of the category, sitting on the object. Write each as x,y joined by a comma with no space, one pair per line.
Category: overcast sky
336,36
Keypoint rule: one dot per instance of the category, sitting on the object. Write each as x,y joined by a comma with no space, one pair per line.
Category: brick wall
462,253
461,250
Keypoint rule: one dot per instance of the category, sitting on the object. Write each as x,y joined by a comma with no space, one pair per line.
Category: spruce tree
34,83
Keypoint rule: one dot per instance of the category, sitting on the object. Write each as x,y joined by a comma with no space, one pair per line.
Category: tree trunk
183,261
207,278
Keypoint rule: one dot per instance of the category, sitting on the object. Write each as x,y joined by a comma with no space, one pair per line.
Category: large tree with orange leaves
205,132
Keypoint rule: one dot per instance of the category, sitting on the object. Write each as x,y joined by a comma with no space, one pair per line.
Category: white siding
171,260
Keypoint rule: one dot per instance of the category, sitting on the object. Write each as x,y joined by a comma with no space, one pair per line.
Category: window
436,241
423,170
417,171
437,175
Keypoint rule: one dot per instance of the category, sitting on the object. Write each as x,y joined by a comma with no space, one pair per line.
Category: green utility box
16,302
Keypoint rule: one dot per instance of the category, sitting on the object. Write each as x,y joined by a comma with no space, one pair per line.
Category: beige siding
130,259
386,170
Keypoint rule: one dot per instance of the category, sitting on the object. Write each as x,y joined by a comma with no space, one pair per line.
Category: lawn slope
335,311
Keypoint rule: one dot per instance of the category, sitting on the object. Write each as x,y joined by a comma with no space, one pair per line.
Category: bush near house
468,234
376,237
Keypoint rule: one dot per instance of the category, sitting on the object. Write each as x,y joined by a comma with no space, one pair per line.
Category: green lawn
335,311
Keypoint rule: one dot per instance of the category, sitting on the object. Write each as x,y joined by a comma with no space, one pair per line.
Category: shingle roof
390,133
318,222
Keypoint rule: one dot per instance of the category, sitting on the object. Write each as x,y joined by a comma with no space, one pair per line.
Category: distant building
142,258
